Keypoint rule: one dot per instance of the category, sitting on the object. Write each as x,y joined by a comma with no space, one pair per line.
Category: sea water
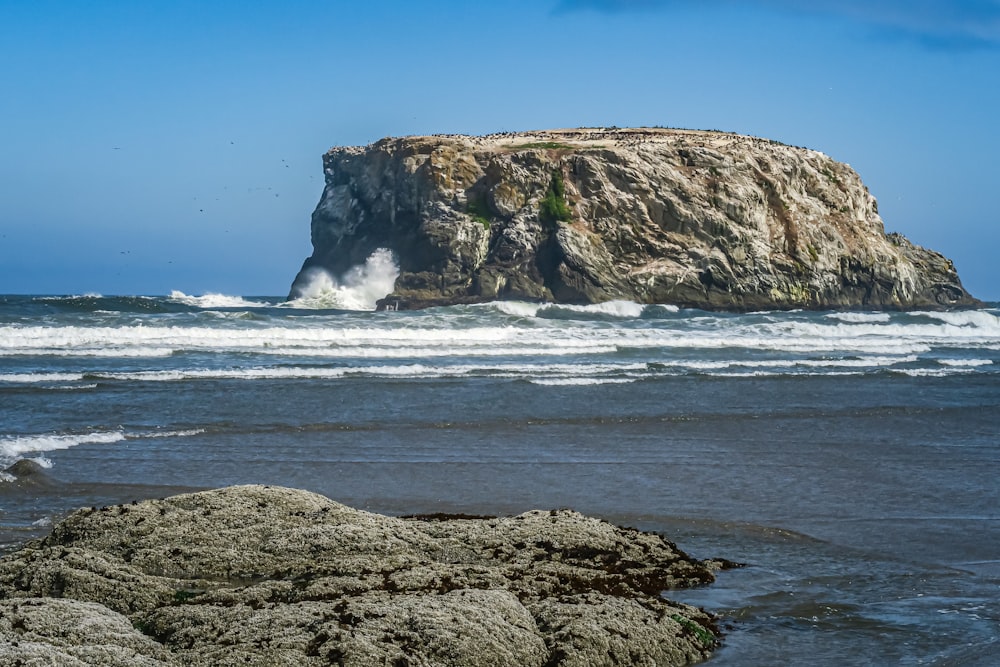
849,459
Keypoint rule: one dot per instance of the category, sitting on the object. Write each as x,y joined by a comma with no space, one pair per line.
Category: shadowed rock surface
693,218
257,575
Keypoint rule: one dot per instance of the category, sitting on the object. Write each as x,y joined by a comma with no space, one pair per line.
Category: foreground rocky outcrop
272,576
693,218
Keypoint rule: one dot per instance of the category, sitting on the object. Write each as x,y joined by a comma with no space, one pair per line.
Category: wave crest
358,289
213,300
606,310
15,447
33,447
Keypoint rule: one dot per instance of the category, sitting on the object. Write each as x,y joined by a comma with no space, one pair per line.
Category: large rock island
693,218
258,575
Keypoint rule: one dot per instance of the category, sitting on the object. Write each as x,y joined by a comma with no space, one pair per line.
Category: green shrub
553,207
480,211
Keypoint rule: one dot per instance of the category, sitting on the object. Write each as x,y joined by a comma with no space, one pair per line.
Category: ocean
848,459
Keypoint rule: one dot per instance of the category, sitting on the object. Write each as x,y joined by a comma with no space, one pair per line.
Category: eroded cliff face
692,218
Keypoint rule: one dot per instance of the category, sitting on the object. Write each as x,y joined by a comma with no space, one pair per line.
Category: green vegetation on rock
704,635
480,211
830,176
553,207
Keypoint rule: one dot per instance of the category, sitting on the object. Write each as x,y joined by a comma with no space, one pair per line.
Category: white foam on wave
332,341
14,447
223,374
555,373
764,374
580,382
186,433
61,343
961,331
516,308
934,372
965,362
801,343
41,461
159,341
33,447
617,309
977,319
31,378
860,317
416,370
666,307
862,362
445,350
358,289
115,353
475,335
328,339
72,297
212,300
621,309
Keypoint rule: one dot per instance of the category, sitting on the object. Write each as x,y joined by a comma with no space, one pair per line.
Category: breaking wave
358,289
33,447
13,448
976,319
212,300
859,317
607,310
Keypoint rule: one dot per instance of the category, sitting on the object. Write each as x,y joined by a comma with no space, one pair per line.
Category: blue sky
153,146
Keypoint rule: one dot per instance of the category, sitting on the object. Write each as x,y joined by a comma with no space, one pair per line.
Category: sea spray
213,300
358,289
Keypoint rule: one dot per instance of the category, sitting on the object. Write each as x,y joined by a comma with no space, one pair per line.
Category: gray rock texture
259,575
692,218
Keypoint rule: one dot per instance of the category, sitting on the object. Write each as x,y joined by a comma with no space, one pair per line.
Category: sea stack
699,219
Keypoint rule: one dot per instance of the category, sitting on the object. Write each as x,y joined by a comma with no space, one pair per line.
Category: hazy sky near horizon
176,145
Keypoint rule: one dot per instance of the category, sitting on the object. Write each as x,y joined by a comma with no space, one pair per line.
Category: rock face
693,218
271,576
